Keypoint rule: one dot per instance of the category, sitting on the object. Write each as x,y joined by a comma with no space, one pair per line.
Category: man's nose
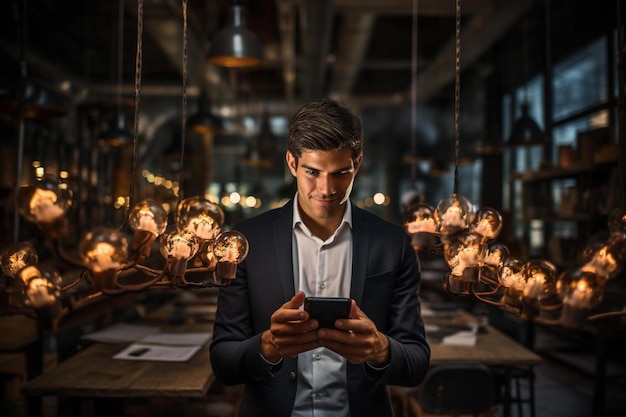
325,184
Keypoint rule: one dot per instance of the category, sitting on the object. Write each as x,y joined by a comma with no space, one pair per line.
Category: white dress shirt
322,269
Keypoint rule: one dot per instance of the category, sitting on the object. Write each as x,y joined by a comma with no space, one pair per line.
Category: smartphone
327,309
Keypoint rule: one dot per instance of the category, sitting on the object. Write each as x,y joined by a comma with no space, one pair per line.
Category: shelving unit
564,208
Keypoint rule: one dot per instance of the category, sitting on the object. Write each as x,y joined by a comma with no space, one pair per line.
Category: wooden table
492,348
94,374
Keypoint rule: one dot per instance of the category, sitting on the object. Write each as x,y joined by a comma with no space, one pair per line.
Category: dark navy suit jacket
385,284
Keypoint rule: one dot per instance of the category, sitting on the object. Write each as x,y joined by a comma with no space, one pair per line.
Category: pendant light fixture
526,131
262,148
204,121
235,46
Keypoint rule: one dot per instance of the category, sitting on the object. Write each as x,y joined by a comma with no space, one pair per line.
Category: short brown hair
325,125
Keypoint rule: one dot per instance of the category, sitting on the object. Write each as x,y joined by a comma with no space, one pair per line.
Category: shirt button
322,286
292,376
318,396
317,356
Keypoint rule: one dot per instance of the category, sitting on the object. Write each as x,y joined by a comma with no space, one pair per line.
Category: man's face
324,180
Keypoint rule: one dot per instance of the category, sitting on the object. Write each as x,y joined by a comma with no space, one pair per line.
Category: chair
521,389
459,389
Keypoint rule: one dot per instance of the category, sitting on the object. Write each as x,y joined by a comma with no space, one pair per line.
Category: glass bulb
421,225
179,244
617,221
454,213
103,249
14,258
540,279
44,201
42,288
200,216
511,274
607,260
495,255
579,289
465,257
148,215
229,248
420,218
487,223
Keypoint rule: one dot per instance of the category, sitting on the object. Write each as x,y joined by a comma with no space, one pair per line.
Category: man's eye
312,172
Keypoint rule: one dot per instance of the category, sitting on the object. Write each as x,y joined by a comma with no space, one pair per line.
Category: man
319,244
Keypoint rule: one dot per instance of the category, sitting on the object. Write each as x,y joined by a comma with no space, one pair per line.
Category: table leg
599,389
107,407
34,406
506,405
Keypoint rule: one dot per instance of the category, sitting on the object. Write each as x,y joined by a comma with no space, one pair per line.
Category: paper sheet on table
151,352
463,338
427,312
177,339
121,333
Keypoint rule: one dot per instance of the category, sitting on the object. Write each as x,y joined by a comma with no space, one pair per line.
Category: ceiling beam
316,22
354,36
426,7
476,37
165,27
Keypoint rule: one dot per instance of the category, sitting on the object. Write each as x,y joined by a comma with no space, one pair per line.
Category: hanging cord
457,94
184,105
120,52
138,69
413,163
21,125
525,52
621,102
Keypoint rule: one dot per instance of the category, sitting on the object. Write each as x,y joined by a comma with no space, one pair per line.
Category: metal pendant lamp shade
37,100
117,135
235,46
204,121
526,131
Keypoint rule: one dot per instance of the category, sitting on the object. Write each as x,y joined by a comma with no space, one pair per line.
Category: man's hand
357,339
291,331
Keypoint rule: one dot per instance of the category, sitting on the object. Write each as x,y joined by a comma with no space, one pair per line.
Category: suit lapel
360,251
282,241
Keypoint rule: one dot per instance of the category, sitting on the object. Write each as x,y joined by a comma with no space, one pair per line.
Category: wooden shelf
562,173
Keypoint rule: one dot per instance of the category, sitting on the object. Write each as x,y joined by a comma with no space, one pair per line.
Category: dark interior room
154,127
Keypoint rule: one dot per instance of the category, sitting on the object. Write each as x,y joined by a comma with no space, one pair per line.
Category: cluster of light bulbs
482,267
197,252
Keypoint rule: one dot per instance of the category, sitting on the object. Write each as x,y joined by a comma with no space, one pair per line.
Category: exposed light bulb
579,291
540,279
606,261
148,219
229,248
487,223
14,258
37,289
511,277
421,225
103,251
454,213
495,255
149,216
179,244
200,216
45,203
